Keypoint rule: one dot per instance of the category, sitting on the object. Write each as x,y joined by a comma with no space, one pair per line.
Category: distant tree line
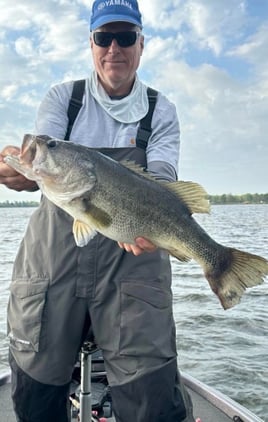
247,198
18,204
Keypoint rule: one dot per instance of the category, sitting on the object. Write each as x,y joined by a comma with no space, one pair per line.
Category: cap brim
115,18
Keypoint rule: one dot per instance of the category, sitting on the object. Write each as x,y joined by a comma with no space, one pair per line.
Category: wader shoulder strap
144,130
74,105
145,127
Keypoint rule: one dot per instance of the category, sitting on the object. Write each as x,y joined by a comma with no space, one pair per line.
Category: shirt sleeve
52,119
164,144
162,171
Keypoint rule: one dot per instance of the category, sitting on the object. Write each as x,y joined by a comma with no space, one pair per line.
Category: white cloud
9,91
222,123
208,24
212,22
222,115
160,14
160,50
24,47
56,27
40,44
254,51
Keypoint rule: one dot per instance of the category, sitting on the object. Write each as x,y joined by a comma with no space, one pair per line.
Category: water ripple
225,349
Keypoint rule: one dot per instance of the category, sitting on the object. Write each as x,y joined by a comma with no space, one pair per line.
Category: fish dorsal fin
131,165
82,233
192,194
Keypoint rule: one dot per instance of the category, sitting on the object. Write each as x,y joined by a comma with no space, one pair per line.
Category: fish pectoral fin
100,219
82,233
192,194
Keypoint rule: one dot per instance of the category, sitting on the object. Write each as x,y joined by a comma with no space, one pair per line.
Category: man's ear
142,43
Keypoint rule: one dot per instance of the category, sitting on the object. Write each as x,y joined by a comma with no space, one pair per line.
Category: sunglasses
123,39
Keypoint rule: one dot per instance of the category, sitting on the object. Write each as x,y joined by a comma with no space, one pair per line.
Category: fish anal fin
192,194
83,233
180,255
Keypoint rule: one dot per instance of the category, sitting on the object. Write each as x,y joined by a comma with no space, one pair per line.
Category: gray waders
59,290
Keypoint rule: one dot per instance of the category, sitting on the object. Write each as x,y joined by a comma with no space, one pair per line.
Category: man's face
116,66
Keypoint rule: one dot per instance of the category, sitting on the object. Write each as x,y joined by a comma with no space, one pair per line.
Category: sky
209,57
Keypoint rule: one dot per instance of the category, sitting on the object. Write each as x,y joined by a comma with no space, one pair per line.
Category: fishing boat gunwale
221,401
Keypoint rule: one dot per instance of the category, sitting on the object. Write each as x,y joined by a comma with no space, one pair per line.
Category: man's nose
114,46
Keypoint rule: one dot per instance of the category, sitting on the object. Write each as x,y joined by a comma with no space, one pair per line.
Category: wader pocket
147,325
25,312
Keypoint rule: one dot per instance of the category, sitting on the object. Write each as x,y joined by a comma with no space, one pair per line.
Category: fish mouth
32,154
28,150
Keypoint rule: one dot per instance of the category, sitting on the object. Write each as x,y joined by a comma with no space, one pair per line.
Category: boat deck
209,405
202,409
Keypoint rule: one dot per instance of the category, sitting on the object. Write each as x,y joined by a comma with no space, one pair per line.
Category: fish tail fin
244,270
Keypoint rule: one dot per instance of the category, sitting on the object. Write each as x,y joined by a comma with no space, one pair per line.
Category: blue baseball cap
114,11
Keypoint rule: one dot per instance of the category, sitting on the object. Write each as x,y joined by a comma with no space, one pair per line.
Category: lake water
225,349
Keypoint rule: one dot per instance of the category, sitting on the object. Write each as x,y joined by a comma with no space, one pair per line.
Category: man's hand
142,245
9,177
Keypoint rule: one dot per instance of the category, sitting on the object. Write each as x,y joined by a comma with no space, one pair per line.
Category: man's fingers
130,248
16,182
145,244
142,245
5,170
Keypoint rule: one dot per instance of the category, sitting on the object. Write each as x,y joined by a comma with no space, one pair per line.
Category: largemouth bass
122,202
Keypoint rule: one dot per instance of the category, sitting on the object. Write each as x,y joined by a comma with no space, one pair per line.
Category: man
58,290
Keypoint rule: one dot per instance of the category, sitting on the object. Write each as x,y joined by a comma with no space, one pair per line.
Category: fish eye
51,144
